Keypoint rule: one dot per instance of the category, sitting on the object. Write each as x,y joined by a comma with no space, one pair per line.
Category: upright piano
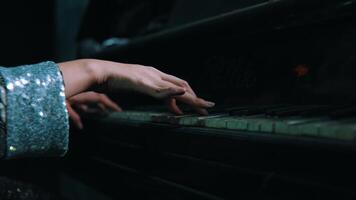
283,76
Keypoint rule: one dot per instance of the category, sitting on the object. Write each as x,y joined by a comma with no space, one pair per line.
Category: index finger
178,81
194,101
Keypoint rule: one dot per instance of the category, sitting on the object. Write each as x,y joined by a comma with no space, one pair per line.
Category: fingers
161,89
150,81
172,106
81,102
83,107
101,100
178,81
103,108
202,111
189,97
75,117
164,89
108,103
198,104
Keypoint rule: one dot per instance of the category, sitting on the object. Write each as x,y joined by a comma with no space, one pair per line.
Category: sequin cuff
35,117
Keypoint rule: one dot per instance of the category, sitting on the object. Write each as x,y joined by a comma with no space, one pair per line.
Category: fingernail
179,113
80,126
204,112
210,104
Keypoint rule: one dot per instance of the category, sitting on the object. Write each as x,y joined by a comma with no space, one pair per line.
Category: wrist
101,72
96,72
81,75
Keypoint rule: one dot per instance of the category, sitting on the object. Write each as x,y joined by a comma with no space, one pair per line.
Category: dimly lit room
177,99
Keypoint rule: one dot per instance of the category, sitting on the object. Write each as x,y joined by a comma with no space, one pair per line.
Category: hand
81,75
85,101
155,83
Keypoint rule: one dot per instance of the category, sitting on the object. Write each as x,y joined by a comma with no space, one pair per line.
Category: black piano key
318,111
277,110
222,108
172,119
287,112
199,120
235,111
347,112
254,110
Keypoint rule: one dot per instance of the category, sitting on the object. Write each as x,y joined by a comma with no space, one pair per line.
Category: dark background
34,31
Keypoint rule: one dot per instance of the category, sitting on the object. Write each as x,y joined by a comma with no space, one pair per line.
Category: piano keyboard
313,121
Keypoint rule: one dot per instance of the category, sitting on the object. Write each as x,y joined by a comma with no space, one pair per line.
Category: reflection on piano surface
283,76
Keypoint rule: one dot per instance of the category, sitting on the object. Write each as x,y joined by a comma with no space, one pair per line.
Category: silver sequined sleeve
34,118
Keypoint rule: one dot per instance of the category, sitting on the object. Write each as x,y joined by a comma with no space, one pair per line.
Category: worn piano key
265,125
219,122
346,132
343,113
253,124
237,124
240,123
288,124
137,115
203,121
280,126
342,130
294,125
145,116
170,119
337,132
312,128
198,120
118,115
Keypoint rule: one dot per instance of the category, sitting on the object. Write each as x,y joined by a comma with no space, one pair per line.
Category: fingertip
116,107
173,107
210,104
84,108
179,112
80,126
202,111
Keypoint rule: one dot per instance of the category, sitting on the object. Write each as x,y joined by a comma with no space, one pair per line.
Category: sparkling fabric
2,118
36,119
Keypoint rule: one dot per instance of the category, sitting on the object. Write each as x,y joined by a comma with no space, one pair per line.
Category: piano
283,76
